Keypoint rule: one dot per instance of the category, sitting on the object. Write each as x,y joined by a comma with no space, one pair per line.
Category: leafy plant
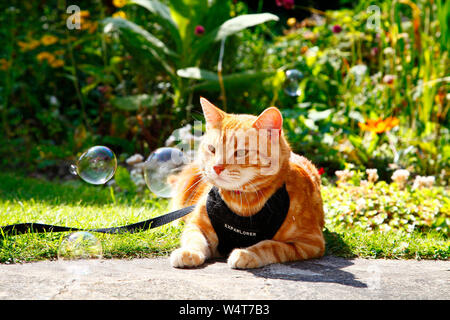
384,207
192,27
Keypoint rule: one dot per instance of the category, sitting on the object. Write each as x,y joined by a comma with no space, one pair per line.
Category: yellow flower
67,40
90,26
120,14
347,19
23,45
119,3
4,64
48,40
379,125
84,14
57,63
27,46
93,27
45,56
291,22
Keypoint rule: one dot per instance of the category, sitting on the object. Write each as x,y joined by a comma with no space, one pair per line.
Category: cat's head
241,152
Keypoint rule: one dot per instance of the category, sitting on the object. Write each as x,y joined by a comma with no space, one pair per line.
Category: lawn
77,204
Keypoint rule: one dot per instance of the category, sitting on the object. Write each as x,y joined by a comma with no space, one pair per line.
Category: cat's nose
218,168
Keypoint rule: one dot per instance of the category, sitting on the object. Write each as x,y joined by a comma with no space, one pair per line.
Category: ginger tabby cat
250,180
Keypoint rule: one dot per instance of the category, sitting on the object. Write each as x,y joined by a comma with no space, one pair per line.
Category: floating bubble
292,82
80,245
160,165
95,166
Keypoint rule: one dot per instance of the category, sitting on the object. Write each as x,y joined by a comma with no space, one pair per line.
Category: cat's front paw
244,259
186,258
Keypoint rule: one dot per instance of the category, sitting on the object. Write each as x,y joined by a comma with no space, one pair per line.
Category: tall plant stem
9,79
219,74
76,85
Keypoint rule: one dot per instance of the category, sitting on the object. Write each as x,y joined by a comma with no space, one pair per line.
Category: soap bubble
80,245
95,166
161,164
292,82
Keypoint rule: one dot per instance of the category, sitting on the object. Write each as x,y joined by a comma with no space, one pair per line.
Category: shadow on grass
336,246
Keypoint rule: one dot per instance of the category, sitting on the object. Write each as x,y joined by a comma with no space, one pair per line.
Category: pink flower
374,51
199,30
389,79
287,4
105,89
337,28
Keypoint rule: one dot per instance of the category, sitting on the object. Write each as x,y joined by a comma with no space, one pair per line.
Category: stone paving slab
154,278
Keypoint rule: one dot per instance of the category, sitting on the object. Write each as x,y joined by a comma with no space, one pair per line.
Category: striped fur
300,236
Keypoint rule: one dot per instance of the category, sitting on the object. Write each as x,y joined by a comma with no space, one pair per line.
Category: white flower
134,159
137,178
372,175
360,204
358,71
400,177
388,51
429,181
423,182
344,175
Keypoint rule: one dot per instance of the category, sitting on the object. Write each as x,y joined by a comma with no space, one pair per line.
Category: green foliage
181,18
123,180
129,82
383,207
357,74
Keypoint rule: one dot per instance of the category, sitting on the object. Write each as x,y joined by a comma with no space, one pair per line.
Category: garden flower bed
363,90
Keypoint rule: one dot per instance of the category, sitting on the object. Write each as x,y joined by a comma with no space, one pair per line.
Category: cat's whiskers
240,195
246,199
258,192
193,185
259,195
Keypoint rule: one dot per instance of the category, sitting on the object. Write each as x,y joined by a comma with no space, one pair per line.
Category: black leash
32,227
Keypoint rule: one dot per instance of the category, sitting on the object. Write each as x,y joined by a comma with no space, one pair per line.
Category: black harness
235,231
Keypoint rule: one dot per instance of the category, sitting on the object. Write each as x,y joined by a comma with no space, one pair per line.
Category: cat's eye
241,153
211,148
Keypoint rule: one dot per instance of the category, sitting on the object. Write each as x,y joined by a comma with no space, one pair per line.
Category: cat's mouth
232,182
223,182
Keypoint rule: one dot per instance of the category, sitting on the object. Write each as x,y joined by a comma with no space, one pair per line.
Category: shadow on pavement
326,269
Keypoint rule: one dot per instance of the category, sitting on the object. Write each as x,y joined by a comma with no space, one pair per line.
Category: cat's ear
213,115
271,118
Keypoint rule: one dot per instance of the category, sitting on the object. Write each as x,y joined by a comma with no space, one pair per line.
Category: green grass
77,204
386,245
